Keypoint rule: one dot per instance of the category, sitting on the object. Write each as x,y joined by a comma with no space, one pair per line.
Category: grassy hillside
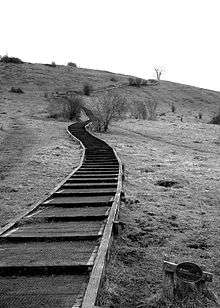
177,223
36,79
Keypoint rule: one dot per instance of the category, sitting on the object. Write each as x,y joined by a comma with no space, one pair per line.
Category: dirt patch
164,183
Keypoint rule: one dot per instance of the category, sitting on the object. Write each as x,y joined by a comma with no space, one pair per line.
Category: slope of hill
36,79
158,222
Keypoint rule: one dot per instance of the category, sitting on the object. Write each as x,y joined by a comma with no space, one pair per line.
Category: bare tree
158,71
107,108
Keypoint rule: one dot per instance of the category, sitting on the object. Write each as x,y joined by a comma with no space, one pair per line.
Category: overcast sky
122,36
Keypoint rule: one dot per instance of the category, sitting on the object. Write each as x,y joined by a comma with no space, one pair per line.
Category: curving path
54,255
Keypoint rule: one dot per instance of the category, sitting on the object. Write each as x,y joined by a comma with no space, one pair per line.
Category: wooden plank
89,191
74,201
97,273
83,228
92,180
90,185
45,291
71,213
46,254
94,175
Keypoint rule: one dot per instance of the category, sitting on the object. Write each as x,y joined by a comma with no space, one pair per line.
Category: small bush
87,89
71,64
173,108
151,105
6,59
53,64
16,90
138,110
64,106
200,115
113,79
144,82
134,82
216,119
152,82
137,82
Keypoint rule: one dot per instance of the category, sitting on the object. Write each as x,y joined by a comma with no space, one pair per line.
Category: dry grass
36,153
176,223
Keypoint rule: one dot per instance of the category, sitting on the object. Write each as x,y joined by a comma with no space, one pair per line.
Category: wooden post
184,284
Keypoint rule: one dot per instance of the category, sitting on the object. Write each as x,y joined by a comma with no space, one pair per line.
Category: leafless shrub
216,119
134,82
107,108
138,110
113,79
173,108
53,64
7,59
152,82
144,82
71,64
87,89
16,90
200,115
64,106
151,106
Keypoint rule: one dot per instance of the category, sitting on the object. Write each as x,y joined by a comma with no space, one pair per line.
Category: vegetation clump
137,82
216,119
52,64
139,111
7,59
16,90
173,108
107,108
87,89
71,64
67,106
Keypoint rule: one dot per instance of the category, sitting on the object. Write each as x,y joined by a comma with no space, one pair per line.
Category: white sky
123,36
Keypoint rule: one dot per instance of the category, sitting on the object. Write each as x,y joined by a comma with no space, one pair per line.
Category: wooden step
94,175
69,214
90,172
54,291
99,166
80,201
84,192
92,180
89,185
54,231
47,254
